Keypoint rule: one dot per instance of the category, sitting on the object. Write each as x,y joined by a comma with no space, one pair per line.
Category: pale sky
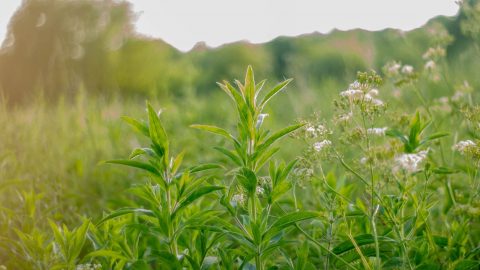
183,23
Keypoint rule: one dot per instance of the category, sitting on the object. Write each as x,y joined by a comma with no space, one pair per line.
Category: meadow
372,163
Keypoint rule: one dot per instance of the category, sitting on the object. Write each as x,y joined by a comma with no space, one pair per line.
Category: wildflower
377,131
430,65
407,69
434,53
410,162
345,117
260,190
318,146
88,266
352,94
314,132
373,92
392,69
465,147
363,160
310,130
237,199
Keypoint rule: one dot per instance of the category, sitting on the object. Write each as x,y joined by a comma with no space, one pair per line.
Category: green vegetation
310,173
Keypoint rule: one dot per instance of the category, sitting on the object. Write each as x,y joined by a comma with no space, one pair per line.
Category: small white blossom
260,190
237,199
377,131
407,69
410,162
464,146
377,102
393,68
373,92
345,117
352,94
430,65
458,96
88,266
363,160
318,146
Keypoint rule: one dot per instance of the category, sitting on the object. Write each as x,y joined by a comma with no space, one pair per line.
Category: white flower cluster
88,266
432,53
303,172
464,146
345,117
319,146
260,190
238,199
430,65
377,131
315,131
407,69
355,93
393,68
410,162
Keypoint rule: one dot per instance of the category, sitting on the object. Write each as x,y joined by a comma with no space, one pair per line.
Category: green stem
171,231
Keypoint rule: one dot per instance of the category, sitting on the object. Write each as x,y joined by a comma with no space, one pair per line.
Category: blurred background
70,69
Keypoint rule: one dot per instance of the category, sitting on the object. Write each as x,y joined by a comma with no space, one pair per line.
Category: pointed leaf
135,164
279,87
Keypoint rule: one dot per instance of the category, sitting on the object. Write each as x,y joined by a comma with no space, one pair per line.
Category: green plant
256,230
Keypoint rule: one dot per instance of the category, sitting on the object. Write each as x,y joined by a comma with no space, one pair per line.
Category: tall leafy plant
252,196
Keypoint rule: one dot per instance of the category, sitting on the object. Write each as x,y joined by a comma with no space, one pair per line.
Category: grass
384,177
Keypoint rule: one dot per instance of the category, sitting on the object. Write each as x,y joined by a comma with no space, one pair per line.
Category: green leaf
135,164
106,253
214,130
397,134
250,86
230,154
434,137
467,265
141,151
137,125
126,211
247,179
199,192
204,167
286,221
157,132
276,136
279,87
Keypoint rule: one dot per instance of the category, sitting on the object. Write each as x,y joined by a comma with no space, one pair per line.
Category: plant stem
171,232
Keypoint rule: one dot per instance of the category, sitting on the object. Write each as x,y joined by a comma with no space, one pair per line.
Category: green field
361,150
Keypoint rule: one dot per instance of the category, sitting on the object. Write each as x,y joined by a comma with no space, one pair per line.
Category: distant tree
57,46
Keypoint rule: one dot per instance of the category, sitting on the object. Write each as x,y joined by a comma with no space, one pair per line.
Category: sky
183,23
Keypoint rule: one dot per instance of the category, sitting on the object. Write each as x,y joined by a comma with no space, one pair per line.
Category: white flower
457,96
392,68
363,160
430,65
352,94
373,92
260,190
88,266
410,162
464,146
377,102
237,199
407,69
345,117
318,146
377,131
